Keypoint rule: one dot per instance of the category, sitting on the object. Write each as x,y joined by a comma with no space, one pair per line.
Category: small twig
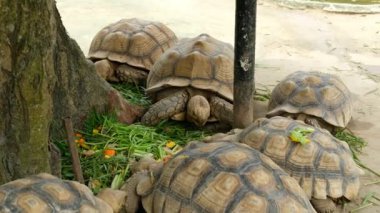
376,198
73,150
370,183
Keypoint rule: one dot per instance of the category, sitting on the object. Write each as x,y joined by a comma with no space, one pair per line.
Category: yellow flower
95,131
170,144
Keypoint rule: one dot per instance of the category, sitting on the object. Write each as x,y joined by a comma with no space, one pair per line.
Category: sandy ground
347,45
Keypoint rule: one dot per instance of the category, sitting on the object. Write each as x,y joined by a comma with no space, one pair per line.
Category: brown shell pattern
135,42
323,167
226,177
202,62
46,193
314,93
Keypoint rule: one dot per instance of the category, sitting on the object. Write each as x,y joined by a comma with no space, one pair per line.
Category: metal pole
244,85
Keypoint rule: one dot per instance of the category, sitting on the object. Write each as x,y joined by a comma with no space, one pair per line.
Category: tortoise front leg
323,206
221,109
166,108
313,121
133,199
129,74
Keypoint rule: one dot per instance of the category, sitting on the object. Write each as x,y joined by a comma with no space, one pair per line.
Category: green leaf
301,135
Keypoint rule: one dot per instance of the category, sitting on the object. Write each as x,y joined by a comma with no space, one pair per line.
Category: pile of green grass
103,133
133,93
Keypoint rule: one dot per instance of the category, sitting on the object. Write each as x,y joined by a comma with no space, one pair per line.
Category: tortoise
194,81
319,99
126,50
324,167
47,193
216,177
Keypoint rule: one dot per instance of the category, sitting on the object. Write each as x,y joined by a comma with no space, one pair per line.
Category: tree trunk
244,81
44,77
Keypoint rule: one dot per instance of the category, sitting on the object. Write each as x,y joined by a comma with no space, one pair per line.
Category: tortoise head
106,70
198,110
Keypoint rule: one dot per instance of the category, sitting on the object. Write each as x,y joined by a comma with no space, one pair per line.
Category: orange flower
78,135
167,158
81,141
109,153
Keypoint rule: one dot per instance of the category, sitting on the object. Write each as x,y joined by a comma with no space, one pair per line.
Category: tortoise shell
323,167
313,93
46,193
202,62
225,177
135,42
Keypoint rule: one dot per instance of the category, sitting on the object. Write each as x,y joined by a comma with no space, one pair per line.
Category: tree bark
44,77
244,85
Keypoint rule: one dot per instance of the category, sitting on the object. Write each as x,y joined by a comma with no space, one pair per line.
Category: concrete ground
347,45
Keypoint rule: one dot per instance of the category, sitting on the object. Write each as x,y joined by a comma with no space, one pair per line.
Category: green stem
370,183
361,207
365,167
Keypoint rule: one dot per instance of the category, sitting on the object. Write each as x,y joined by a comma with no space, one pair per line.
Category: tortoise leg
323,206
232,135
308,120
106,70
131,74
133,199
221,109
217,127
198,110
179,117
114,198
316,122
166,108
320,124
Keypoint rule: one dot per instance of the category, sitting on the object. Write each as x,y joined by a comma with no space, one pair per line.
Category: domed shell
226,177
134,41
46,193
323,167
314,93
202,62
